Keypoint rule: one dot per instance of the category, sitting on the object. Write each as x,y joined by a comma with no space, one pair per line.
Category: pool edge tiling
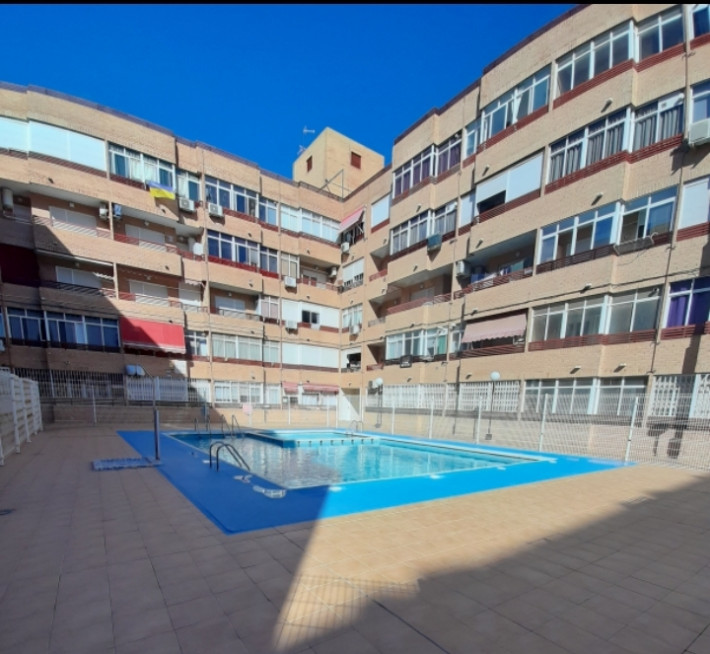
239,505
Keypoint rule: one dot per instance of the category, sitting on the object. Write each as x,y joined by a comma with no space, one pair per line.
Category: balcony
420,302
158,247
189,307
483,280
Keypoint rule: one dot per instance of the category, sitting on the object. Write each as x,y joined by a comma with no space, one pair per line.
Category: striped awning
484,330
321,388
150,335
290,387
351,219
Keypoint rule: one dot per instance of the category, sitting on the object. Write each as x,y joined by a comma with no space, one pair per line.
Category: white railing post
93,403
478,425
24,411
392,422
631,430
431,420
289,411
327,416
542,423
15,421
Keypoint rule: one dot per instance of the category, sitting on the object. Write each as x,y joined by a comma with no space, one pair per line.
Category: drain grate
6,511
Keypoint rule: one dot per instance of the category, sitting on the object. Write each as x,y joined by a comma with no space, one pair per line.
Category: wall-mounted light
576,368
598,197
474,310
607,103
621,366
486,169
586,287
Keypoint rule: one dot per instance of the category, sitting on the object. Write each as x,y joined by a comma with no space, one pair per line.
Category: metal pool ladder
216,448
235,423
356,423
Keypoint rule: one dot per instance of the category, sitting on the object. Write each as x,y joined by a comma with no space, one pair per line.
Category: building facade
550,224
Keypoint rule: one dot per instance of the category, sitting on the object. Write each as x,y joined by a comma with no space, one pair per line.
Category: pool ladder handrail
219,446
356,423
223,424
208,425
235,423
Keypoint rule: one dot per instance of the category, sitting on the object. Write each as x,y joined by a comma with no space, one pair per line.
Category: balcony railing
99,232
235,313
375,322
378,275
173,303
375,366
75,288
436,299
484,281
309,281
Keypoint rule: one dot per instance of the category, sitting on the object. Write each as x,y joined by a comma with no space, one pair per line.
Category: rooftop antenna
308,131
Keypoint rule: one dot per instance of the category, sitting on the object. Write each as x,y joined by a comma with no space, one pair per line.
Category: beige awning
484,330
351,219
321,388
290,387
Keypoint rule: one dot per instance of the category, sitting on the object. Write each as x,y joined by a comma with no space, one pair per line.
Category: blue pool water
294,460
238,501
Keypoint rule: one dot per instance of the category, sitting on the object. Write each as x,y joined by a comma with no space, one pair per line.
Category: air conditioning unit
291,325
433,242
333,272
635,245
345,247
462,268
215,210
186,204
103,211
290,282
354,329
405,361
699,133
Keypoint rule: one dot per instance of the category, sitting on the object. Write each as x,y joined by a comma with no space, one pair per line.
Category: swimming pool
238,501
302,460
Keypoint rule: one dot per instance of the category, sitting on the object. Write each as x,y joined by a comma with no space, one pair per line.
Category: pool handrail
356,422
239,431
219,446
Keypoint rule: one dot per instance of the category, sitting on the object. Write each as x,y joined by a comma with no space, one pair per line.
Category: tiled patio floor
118,561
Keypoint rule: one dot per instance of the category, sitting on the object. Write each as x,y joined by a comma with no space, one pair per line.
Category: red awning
352,219
150,335
321,388
290,387
484,330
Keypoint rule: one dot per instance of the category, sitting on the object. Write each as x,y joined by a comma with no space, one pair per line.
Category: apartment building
543,235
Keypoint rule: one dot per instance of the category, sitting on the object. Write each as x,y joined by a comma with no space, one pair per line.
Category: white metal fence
20,413
641,428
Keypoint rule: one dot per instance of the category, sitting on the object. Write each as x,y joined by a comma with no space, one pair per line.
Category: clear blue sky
247,78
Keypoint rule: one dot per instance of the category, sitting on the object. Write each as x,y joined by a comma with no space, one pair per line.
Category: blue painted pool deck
236,507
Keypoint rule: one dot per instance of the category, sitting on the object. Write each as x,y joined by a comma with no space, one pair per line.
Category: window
658,120
445,219
269,307
409,233
77,277
701,20
380,211
564,396
72,219
218,192
354,273
271,352
238,250
352,316
309,164
196,343
310,317
319,226
683,396
592,58
245,201
595,142
420,342
581,233
617,396
651,214
508,109
140,167
267,211
188,185
147,293
660,32
355,160
289,265
701,101
269,259
634,311
449,154
26,325
689,302
472,137
695,203
414,171
229,346
568,319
